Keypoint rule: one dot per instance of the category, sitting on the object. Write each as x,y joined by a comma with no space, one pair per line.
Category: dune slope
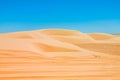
54,54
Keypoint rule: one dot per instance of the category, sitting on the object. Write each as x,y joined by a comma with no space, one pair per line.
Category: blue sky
83,15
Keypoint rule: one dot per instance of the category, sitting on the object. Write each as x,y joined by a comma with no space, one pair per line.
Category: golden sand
53,54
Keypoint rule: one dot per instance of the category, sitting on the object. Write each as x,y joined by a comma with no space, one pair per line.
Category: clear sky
83,15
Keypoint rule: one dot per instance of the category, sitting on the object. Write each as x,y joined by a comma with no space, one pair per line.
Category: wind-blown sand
59,55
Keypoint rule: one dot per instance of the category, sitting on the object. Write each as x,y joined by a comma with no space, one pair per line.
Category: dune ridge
58,54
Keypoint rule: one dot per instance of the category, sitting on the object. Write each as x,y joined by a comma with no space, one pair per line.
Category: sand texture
56,54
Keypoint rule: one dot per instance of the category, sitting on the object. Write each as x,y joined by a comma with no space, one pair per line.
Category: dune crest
58,54
101,36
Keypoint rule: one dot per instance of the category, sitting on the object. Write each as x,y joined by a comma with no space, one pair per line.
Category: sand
56,54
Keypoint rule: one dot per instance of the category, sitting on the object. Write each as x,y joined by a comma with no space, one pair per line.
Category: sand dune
101,36
56,54
17,35
117,35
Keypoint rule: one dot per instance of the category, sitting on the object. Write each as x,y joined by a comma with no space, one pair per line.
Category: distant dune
57,54
101,36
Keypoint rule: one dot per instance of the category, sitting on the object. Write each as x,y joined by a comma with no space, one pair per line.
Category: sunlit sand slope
56,54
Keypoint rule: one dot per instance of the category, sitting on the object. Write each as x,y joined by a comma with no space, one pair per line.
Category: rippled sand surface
53,54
